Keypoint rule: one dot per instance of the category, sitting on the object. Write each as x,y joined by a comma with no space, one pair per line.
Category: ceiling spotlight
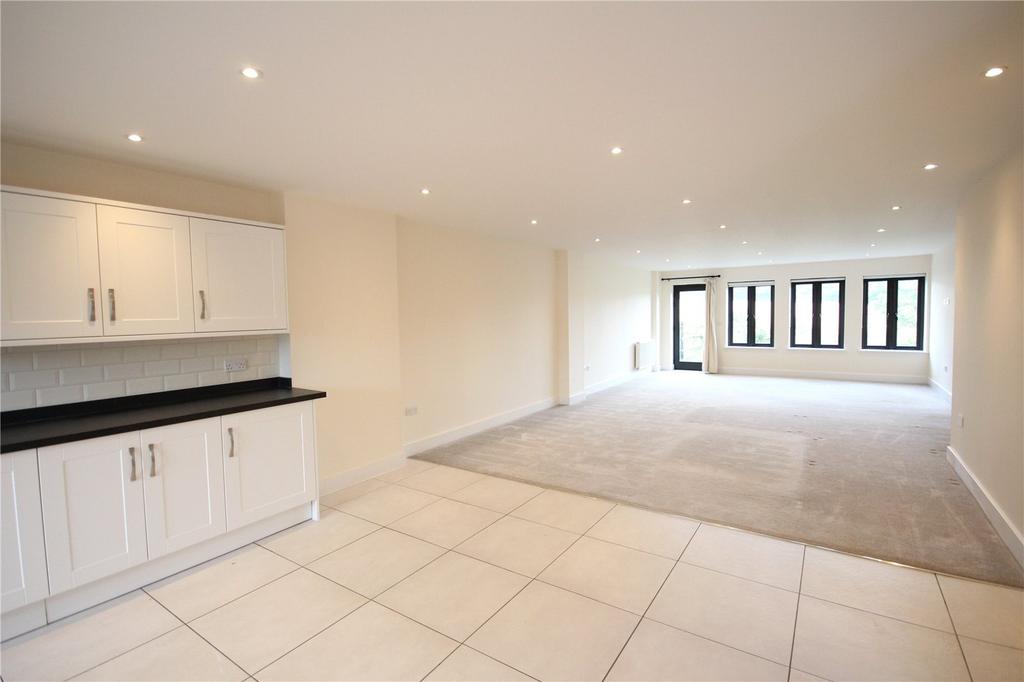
251,72
134,137
881,229
896,208
744,242
931,166
533,222
759,253
597,239
687,201
721,227
668,260
425,191
638,251
872,246
616,151
995,71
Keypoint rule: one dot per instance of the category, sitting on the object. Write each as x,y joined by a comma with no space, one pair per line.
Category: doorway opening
689,306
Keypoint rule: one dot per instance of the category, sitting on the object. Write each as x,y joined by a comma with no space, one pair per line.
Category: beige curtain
710,328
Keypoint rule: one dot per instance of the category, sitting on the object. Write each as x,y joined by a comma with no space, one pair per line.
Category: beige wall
477,327
943,303
988,364
616,314
343,311
848,363
36,168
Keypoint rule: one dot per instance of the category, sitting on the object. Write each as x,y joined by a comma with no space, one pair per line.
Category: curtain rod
669,279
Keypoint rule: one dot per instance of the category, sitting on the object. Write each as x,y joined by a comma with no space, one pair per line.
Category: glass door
690,309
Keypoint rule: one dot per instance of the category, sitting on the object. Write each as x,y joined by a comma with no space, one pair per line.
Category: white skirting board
363,473
1013,537
445,437
835,376
615,381
942,389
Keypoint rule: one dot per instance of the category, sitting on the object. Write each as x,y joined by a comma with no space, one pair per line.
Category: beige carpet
858,467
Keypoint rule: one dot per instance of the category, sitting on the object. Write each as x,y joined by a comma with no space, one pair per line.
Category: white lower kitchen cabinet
269,461
184,484
22,555
93,508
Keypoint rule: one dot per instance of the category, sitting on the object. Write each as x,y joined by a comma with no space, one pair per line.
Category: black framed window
752,315
893,313
816,314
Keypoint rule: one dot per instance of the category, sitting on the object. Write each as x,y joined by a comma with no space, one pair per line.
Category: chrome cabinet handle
113,305
131,453
91,297
231,435
152,460
202,302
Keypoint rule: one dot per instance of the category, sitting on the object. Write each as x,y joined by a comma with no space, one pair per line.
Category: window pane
692,310
906,312
802,313
830,314
877,309
763,315
739,315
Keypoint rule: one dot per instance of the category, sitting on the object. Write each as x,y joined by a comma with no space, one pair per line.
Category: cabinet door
50,268
239,276
93,510
184,484
269,461
22,557
145,272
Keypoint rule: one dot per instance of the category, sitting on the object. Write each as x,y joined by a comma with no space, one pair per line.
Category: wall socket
411,410
235,364
961,420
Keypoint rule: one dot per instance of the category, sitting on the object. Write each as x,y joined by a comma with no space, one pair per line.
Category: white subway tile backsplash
31,376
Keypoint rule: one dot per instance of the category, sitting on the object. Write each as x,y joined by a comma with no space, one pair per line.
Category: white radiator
643,354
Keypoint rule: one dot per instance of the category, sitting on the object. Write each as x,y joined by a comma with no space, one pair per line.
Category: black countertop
41,426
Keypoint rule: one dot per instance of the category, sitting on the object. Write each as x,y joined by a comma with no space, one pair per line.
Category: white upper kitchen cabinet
22,555
50,268
184,484
238,276
269,461
94,516
145,271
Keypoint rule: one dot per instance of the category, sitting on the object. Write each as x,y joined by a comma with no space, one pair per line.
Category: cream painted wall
943,303
478,328
988,364
343,311
27,166
616,315
848,363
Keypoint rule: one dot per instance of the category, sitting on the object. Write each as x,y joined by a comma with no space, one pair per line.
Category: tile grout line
650,604
200,636
956,634
796,614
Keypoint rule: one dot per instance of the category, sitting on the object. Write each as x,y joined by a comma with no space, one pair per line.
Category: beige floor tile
409,468
648,531
801,676
339,497
75,644
445,522
175,657
755,557
313,539
203,588
893,591
497,494
574,513
551,634
388,504
467,665
521,546
659,652
837,642
993,662
257,628
373,643
454,595
613,574
372,564
987,612
750,616
441,480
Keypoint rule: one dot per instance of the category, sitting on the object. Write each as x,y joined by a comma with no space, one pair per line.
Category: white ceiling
798,125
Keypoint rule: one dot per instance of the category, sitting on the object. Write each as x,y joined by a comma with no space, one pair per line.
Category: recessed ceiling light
872,246
896,208
759,253
687,201
744,242
881,229
721,227
995,71
616,151
533,222
597,239
134,137
425,191
252,72
668,260
931,166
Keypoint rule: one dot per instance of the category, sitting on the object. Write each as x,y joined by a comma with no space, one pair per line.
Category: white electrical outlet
961,418
235,364
411,410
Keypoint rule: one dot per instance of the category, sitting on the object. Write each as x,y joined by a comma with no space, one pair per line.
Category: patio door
689,306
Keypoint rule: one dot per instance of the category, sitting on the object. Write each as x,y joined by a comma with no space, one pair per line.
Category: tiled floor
436,573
